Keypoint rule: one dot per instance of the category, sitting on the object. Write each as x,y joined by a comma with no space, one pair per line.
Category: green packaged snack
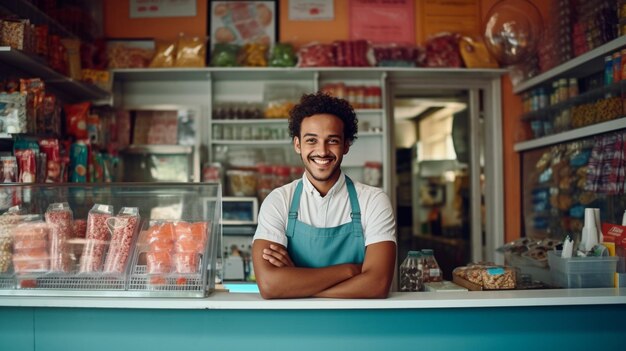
225,55
282,55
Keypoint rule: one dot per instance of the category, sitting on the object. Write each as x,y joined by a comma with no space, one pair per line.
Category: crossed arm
277,276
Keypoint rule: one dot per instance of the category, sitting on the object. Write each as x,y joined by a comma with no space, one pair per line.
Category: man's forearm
362,286
293,282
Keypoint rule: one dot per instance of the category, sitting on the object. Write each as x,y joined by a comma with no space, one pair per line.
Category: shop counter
573,319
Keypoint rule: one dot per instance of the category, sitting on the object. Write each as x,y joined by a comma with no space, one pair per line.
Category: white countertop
224,300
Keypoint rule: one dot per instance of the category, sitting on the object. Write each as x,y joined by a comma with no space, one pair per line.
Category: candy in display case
110,239
560,181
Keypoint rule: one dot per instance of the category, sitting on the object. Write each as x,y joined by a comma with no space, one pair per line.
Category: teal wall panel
16,329
516,328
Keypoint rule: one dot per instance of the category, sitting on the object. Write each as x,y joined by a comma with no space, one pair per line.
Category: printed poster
383,21
162,8
311,10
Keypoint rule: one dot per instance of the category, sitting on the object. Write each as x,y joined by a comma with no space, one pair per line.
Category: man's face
321,146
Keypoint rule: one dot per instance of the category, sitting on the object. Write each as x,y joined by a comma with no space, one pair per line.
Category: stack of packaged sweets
123,228
97,238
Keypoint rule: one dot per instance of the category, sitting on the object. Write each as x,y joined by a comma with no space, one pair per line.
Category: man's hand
277,256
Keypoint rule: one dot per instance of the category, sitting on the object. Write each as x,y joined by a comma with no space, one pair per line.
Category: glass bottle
411,272
432,272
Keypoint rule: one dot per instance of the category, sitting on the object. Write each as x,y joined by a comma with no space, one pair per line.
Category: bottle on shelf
573,87
411,278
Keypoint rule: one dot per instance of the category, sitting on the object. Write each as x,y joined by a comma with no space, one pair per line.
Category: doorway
448,161
433,168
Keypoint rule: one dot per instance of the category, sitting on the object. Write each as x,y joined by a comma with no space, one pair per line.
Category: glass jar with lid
411,277
432,272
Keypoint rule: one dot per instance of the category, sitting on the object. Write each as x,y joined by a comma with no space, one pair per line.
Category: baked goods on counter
485,276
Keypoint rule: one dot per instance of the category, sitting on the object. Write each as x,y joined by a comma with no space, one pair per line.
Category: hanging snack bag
76,119
96,238
59,219
122,227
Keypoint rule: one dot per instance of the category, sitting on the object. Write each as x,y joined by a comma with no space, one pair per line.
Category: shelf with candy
39,152
33,43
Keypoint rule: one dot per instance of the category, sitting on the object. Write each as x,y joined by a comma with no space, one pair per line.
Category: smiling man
324,235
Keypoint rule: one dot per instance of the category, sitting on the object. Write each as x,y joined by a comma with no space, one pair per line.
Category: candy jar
432,272
411,272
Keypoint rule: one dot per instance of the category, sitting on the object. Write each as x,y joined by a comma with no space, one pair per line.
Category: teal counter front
574,319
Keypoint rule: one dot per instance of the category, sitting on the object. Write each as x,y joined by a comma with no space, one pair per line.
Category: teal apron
320,247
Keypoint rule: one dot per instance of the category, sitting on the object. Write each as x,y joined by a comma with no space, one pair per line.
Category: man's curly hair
322,103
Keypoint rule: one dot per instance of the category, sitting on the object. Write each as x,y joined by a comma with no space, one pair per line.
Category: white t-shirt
331,210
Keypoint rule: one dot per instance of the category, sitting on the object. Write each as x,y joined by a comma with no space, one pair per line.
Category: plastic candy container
59,219
123,227
432,272
97,237
411,272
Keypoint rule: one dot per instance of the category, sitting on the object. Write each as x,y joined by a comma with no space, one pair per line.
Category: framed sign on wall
243,22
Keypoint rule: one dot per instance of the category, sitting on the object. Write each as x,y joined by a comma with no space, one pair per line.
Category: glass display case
121,239
561,180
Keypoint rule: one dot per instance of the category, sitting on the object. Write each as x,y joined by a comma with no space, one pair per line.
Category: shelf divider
573,134
577,67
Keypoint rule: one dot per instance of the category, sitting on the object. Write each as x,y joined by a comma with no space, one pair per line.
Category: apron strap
293,211
357,228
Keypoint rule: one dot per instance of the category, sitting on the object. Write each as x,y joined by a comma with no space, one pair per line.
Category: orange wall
429,15
118,24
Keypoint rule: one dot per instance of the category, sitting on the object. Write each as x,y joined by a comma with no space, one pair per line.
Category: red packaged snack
351,53
76,119
316,55
50,147
27,165
442,50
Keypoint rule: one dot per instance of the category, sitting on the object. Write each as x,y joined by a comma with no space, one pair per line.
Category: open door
447,160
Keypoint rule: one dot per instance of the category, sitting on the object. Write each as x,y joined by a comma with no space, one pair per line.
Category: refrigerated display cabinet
109,239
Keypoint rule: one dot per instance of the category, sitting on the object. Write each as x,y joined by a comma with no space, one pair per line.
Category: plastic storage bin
582,272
